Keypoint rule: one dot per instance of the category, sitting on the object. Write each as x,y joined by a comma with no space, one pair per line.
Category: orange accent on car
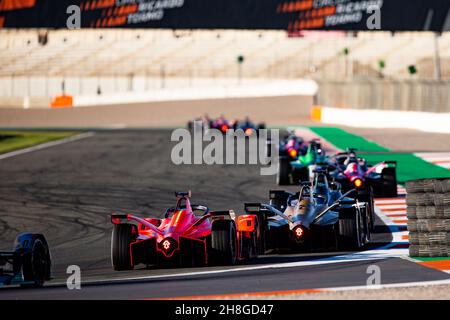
246,223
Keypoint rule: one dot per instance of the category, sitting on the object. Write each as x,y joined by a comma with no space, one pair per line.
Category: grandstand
130,58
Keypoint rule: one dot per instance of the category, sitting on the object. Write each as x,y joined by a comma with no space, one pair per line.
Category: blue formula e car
28,264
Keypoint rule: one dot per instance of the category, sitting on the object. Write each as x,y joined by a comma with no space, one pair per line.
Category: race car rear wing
223,215
383,164
133,220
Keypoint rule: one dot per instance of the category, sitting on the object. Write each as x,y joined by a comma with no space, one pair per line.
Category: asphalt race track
67,192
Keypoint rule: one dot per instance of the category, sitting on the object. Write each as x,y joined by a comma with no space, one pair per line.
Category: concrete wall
34,92
402,95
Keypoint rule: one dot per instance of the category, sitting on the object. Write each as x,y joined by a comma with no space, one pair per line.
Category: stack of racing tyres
428,211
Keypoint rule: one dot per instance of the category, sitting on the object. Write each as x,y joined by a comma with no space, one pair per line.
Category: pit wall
39,93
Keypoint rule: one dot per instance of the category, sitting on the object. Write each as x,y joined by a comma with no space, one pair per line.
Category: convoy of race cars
333,209
223,125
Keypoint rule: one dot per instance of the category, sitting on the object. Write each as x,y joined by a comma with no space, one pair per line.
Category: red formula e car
187,235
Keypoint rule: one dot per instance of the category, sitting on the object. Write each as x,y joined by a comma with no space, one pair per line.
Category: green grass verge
343,139
424,259
15,140
409,167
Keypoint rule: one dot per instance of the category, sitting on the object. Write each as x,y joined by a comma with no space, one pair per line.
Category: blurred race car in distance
220,123
187,235
223,125
292,146
28,264
292,170
249,126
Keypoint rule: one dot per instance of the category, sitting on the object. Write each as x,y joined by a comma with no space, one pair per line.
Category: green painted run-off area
409,166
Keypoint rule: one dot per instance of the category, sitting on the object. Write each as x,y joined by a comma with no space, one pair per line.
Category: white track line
46,145
331,260
314,291
392,285
388,286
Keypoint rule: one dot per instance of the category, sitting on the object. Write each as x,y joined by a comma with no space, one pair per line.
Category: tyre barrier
428,212
428,185
429,225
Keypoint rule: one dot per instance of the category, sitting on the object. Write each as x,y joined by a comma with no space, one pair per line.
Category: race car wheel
367,197
122,236
389,178
302,175
352,235
223,243
284,168
36,264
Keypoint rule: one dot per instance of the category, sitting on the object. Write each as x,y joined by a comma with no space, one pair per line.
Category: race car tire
429,238
429,250
284,168
223,243
367,196
351,235
389,178
121,238
302,175
429,225
36,263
